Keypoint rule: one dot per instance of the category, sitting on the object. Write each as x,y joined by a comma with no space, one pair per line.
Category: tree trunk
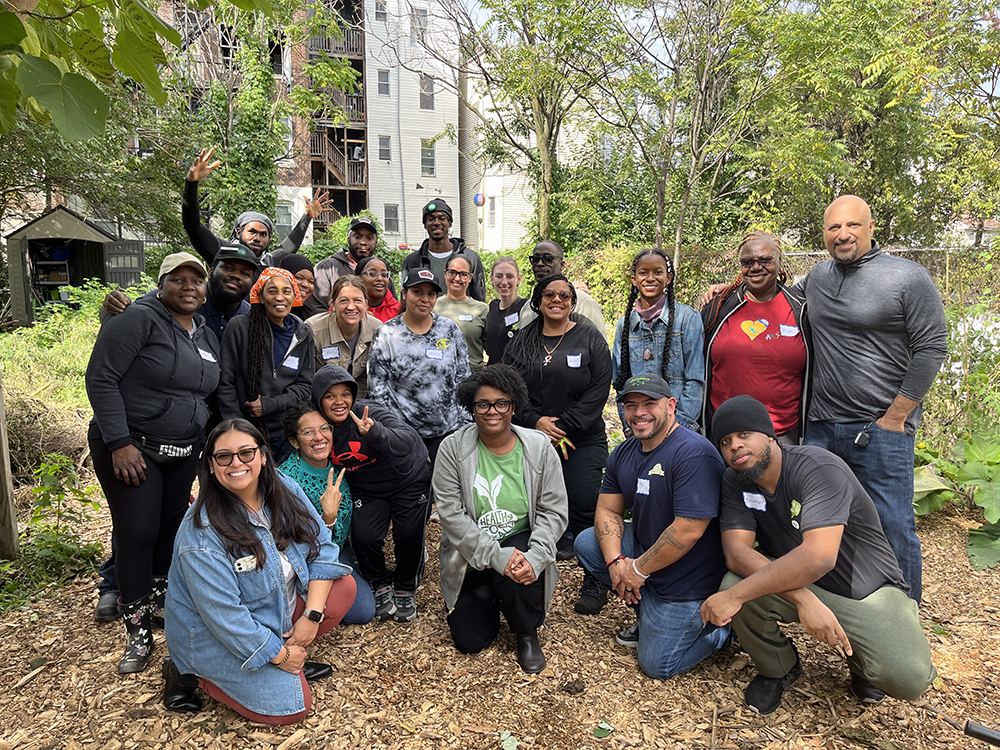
661,199
8,518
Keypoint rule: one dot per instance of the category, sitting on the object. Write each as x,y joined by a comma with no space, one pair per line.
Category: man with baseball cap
362,237
439,248
669,559
822,560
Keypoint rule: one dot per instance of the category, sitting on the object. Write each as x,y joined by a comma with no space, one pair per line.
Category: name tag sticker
331,352
292,363
754,501
207,356
573,360
465,317
642,486
788,330
511,319
434,353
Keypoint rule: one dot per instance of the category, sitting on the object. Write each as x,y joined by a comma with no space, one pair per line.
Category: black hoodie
150,377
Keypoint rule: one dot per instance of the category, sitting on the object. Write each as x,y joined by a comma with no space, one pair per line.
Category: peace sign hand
330,500
202,167
364,423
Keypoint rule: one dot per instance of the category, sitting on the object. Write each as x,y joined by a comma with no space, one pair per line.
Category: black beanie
295,263
741,414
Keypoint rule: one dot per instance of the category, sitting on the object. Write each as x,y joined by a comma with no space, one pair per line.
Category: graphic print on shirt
754,328
352,458
497,522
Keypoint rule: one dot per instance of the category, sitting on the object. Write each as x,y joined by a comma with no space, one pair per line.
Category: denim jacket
686,370
226,626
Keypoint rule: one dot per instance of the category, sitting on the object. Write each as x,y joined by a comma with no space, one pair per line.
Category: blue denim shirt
686,369
226,626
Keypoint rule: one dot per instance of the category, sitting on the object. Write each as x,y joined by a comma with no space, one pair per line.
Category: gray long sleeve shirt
878,330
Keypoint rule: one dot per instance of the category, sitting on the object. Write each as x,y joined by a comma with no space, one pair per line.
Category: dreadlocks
625,360
756,235
257,334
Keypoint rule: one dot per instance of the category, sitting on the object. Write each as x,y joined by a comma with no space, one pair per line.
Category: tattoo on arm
613,526
669,536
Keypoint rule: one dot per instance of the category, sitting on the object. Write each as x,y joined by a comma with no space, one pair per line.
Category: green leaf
262,5
930,492
603,730
78,108
135,59
94,55
157,24
988,497
8,104
11,31
984,546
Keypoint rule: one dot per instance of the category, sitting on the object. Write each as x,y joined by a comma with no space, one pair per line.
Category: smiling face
649,418
314,439
457,276
231,281
376,279
492,423
256,236
350,307
506,278
336,403
651,278
239,478
557,302
437,225
183,290
847,229
420,299
759,261
306,282
277,296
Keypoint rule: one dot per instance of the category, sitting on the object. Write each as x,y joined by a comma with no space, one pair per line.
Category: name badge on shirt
788,330
465,317
511,319
434,353
642,486
292,363
573,360
207,356
331,352
754,501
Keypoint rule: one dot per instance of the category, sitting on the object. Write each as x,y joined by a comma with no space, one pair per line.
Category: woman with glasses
504,317
502,502
757,340
343,335
567,368
309,465
467,313
255,580
378,286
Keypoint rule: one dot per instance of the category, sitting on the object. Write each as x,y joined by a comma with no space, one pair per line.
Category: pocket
256,584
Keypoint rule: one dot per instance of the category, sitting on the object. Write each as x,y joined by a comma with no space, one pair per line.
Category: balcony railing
351,45
348,172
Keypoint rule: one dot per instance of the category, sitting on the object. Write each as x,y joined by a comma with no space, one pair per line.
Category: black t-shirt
680,477
816,490
500,327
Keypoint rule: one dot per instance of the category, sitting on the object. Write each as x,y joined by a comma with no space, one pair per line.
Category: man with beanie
362,238
821,560
439,248
669,559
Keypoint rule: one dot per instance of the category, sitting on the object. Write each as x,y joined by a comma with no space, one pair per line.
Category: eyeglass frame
748,263
235,454
463,275
494,405
373,274
553,293
544,258
308,432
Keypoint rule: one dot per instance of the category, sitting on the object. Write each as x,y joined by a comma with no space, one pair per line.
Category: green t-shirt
470,316
501,497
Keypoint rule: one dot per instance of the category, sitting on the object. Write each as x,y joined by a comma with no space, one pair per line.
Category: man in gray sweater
879,338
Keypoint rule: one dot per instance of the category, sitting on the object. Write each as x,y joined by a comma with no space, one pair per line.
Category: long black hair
624,358
227,515
526,346
256,352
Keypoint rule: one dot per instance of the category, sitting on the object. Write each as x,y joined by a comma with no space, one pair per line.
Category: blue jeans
885,469
672,637
363,609
109,581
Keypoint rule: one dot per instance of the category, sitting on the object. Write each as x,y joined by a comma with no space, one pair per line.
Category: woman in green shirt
502,503
467,313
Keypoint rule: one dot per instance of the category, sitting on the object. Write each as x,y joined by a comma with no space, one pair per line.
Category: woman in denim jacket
663,337
255,580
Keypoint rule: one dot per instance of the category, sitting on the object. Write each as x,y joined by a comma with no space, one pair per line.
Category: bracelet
643,577
620,557
288,652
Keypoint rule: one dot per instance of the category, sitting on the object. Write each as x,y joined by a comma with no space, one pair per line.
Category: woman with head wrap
302,269
267,359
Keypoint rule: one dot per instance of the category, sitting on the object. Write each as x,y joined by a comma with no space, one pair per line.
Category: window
380,10
419,24
385,148
277,55
227,45
287,138
383,83
427,167
283,220
391,218
426,92
492,217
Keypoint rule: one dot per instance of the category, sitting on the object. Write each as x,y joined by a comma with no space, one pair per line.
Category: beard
222,294
751,474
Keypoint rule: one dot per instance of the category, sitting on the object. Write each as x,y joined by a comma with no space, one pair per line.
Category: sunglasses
749,263
224,458
546,259
552,294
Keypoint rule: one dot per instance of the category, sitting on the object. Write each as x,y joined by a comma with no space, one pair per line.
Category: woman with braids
342,335
502,501
504,317
267,359
757,340
662,336
374,272
255,580
566,366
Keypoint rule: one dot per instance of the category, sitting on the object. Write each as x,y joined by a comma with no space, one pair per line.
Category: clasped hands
625,581
518,569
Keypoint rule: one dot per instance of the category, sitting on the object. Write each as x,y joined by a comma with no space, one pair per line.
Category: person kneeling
247,552
822,560
502,503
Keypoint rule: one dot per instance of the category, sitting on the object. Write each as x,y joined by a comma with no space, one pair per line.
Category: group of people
311,435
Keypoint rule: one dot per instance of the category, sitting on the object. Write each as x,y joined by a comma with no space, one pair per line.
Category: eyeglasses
546,258
224,458
749,263
552,294
453,274
505,276
376,274
309,432
501,407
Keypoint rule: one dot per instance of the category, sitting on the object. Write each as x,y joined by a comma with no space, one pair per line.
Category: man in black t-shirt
822,560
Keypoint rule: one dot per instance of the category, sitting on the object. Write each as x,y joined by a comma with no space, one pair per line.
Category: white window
383,83
283,220
492,214
427,166
426,92
380,10
391,218
385,148
287,138
419,24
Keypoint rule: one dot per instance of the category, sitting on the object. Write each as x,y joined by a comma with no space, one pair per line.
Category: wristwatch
313,614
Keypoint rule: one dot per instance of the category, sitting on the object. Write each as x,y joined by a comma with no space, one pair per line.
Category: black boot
139,646
178,689
593,596
529,653
157,600
107,607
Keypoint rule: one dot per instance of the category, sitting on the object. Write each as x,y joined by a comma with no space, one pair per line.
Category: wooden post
8,518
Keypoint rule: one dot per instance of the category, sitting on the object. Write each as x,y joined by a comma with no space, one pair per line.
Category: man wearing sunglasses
439,248
547,259
362,237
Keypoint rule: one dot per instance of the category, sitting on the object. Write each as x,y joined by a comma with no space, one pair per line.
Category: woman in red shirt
375,273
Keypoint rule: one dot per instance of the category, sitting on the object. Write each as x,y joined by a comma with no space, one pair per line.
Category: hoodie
149,376
422,259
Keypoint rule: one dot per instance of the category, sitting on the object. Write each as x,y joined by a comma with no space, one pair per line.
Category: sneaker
564,548
385,607
864,691
763,694
593,596
629,637
405,605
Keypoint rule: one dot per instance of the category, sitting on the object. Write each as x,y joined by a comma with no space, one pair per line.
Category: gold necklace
548,352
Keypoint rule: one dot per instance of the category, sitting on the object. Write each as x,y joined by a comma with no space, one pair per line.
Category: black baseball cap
237,251
648,385
434,207
363,221
422,276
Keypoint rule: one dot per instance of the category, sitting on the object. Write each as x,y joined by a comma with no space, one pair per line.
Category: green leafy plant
61,500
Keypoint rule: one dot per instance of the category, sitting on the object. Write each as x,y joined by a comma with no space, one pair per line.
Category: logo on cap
431,206
639,380
425,274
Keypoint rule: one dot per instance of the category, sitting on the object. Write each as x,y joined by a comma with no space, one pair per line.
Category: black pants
108,582
407,509
145,517
475,620
432,445
583,472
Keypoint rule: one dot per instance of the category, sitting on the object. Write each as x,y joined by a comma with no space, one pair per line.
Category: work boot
593,596
178,689
139,645
107,607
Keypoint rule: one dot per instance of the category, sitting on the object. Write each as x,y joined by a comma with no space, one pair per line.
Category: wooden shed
61,248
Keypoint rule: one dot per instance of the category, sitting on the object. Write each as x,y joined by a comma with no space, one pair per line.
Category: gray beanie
246,217
740,414
330,375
